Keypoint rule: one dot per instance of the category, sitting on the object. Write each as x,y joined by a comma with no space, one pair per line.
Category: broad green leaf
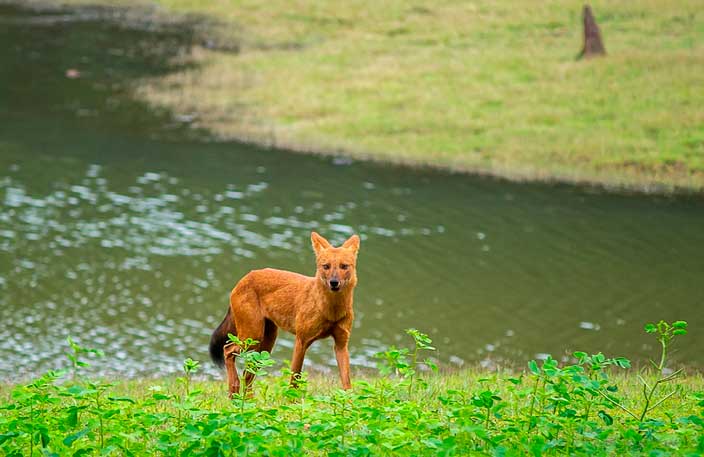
533,367
72,416
608,420
69,440
6,436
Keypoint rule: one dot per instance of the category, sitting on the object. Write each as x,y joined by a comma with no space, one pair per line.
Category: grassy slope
481,86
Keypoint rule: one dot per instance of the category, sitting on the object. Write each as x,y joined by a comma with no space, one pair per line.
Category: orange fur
309,307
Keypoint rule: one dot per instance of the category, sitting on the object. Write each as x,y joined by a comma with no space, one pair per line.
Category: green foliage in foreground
584,408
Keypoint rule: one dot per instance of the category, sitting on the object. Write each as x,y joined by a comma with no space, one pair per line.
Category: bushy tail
219,338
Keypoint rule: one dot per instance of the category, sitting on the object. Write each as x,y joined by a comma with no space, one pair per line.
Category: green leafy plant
190,367
397,361
665,334
254,362
486,400
422,343
75,355
551,409
393,361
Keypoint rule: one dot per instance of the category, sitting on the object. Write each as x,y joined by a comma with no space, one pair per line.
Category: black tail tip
220,337
216,349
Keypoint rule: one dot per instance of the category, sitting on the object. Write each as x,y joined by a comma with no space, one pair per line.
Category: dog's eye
326,266
343,266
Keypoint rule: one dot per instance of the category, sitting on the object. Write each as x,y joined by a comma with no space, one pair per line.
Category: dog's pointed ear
352,243
319,243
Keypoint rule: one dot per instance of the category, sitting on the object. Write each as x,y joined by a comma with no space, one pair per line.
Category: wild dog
311,308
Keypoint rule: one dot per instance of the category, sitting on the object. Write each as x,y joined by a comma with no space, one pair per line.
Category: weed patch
590,407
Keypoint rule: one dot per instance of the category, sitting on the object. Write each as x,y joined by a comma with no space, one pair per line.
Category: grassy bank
476,86
473,412
595,406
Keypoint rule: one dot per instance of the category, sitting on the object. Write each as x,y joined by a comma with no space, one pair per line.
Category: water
127,228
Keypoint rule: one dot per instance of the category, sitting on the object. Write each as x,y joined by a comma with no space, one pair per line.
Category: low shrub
410,409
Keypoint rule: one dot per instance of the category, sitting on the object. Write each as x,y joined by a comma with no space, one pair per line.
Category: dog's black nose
334,283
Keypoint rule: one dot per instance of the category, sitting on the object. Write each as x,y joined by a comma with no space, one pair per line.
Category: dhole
309,307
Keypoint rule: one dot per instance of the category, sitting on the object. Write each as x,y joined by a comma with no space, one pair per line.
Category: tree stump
593,46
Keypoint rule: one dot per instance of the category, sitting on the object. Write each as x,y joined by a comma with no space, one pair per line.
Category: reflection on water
119,229
91,258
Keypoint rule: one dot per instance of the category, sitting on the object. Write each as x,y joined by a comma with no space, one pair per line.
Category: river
126,227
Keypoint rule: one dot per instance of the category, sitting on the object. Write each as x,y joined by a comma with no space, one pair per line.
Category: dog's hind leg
231,350
250,323
266,344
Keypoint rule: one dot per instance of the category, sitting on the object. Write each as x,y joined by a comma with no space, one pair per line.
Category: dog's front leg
342,354
299,353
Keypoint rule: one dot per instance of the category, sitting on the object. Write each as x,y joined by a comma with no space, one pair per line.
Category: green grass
593,407
487,87
441,416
